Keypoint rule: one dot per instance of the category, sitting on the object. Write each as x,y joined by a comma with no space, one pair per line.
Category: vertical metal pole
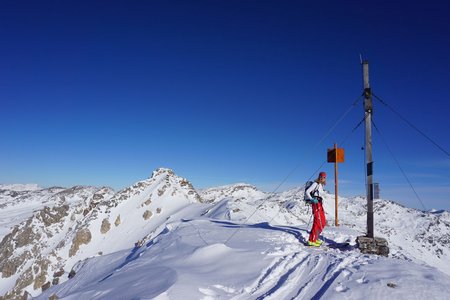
336,223
369,163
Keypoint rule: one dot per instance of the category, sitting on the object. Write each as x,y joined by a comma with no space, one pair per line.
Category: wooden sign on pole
335,155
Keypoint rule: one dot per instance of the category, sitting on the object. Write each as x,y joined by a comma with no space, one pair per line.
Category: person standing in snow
315,193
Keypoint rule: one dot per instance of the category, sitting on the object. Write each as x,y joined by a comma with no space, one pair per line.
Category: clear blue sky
104,92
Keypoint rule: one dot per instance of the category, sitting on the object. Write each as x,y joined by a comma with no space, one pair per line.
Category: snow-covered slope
412,234
192,259
415,235
82,222
161,239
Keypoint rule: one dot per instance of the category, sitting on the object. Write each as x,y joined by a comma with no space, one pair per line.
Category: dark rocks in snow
147,215
39,281
117,222
25,279
6,250
53,215
100,195
55,281
9,264
46,286
375,245
26,235
392,285
106,226
162,190
59,273
82,237
53,297
9,267
41,278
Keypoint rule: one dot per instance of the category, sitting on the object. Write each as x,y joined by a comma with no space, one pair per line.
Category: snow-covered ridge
106,239
234,191
64,226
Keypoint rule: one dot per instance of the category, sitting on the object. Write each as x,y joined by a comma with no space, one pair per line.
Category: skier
315,193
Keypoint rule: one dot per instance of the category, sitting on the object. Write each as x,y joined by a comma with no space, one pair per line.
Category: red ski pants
319,221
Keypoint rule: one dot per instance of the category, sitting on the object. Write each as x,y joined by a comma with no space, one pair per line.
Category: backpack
307,186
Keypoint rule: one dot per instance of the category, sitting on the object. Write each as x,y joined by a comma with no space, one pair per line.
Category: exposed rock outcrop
117,222
53,215
147,215
106,226
82,237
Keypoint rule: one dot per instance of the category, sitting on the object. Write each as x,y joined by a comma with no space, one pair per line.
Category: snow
236,243
260,261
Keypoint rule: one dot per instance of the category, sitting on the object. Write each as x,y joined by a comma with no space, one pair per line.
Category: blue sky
104,92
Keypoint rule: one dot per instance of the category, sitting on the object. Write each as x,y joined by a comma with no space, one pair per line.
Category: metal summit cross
370,244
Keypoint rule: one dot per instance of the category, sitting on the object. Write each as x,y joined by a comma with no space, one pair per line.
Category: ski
325,246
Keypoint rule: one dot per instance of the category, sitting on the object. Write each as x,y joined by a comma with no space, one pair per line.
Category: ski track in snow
305,273
281,280
293,275
286,269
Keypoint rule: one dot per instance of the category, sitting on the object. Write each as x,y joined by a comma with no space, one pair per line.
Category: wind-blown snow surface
240,243
189,260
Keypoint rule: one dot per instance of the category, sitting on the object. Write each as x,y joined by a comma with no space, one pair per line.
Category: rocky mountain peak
162,172
67,225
